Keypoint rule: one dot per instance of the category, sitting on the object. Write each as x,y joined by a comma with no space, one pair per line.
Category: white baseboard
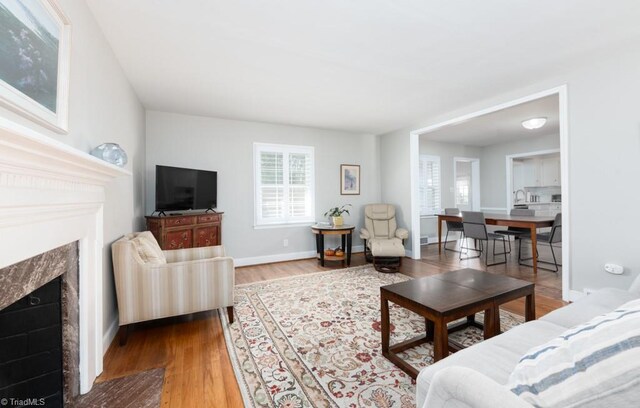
109,335
291,256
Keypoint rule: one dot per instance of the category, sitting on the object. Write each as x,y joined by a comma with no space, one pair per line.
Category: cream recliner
153,284
383,240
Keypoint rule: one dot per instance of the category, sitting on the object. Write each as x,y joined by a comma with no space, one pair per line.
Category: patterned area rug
314,341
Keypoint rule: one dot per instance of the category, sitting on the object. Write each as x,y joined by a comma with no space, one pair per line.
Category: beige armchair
152,284
383,240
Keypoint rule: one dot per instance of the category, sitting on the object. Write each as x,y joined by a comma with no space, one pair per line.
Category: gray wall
493,166
227,147
103,108
395,177
604,151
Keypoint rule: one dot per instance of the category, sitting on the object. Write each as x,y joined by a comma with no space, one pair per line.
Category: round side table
346,232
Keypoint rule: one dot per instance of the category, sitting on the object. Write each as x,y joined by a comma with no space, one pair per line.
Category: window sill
288,225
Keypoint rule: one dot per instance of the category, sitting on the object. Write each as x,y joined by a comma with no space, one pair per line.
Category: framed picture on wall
349,179
35,38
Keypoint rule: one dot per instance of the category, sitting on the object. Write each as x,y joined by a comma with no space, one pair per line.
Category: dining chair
475,227
453,226
516,232
551,238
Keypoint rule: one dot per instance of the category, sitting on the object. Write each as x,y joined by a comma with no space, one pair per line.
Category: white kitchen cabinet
538,172
550,171
518,176
546,209
530,172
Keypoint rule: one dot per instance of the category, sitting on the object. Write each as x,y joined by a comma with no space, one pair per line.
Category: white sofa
476,376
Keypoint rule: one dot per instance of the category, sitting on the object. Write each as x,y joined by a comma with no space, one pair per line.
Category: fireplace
39,337
51,225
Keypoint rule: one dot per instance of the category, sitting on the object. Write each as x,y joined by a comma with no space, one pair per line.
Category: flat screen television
185,189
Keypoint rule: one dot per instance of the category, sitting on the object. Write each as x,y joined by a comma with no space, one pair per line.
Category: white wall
604,151
493,166
103,108
226,146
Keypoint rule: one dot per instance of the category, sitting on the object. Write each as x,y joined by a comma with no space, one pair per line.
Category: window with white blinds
284,184
429,185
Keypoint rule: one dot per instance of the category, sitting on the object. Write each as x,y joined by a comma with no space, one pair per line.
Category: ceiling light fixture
535,123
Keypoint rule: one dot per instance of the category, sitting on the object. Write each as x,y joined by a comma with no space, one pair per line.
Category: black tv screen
185,189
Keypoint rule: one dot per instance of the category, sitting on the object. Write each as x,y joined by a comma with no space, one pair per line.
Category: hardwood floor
192,349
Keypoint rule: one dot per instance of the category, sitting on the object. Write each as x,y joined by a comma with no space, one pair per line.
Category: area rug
314,341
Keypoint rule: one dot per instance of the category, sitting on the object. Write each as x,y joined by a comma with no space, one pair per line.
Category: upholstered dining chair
383,240
551,238
475,227
153,284
516,232
453,226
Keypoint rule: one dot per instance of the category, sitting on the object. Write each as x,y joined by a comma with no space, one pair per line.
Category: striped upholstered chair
152,284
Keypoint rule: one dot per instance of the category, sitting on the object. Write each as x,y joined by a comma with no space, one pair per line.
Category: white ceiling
502,126
360,65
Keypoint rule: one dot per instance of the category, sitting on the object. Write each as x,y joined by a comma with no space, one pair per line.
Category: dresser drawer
178,221
203,219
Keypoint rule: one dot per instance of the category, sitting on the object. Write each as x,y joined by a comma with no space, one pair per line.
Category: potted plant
336,214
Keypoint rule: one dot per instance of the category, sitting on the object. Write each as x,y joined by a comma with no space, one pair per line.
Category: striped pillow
593,364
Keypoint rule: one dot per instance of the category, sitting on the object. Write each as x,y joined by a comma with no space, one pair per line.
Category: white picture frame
26,21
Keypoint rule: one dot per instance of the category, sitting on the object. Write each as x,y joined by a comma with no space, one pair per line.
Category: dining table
529,222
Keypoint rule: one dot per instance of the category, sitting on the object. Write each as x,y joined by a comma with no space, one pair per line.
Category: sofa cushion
596,363
148,248
599,302
495,358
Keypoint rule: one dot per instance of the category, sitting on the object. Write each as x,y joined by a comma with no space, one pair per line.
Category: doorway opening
496,185
466,176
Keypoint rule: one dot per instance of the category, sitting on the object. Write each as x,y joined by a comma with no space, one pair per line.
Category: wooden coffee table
447,297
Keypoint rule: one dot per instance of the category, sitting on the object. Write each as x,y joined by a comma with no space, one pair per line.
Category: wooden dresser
186,231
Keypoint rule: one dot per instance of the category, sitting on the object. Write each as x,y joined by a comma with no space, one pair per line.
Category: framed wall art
35,38
349,179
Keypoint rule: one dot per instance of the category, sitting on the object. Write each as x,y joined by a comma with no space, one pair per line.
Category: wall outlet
614,269
285,242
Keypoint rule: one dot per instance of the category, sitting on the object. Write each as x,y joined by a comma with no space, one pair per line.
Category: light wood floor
198,372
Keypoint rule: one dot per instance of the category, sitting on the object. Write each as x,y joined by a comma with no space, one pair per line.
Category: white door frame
509,160
475,180
414,152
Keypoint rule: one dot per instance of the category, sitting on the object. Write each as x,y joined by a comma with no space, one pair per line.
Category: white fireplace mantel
50,195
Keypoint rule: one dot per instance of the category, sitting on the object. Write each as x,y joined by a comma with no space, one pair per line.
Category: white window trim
285,149
433,158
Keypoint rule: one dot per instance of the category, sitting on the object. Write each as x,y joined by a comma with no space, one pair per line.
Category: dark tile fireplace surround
39,319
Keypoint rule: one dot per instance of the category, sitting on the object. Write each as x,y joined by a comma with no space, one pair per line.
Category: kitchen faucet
524,194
